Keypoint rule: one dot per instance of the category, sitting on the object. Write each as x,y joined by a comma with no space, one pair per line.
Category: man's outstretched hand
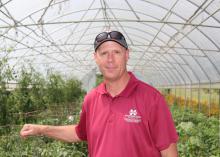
30,130
65,133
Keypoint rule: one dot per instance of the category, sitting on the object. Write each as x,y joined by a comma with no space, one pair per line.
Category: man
122,117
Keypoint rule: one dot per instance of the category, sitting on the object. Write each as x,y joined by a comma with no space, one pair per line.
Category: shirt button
111,118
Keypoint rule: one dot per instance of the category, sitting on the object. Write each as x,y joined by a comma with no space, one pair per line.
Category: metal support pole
210,98
199,96
190,98
219,98
175,94
185,101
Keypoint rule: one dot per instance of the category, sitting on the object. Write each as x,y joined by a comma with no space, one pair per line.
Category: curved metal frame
172,75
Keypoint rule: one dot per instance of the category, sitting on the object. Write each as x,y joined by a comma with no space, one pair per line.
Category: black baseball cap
110,36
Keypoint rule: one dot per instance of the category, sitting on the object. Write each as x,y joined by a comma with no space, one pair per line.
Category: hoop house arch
174,44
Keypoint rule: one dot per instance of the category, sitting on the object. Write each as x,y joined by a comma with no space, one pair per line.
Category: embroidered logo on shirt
132,117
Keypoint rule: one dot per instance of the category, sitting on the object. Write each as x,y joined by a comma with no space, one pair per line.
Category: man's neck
117,86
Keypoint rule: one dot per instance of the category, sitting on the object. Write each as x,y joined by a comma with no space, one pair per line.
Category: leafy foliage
34,98
13,145
199,135
33,93
99,79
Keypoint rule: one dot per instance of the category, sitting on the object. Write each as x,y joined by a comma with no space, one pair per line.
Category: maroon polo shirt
135,123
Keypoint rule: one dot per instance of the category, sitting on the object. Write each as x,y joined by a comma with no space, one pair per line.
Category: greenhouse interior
47,66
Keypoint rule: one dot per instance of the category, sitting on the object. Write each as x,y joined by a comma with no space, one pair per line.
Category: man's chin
109,77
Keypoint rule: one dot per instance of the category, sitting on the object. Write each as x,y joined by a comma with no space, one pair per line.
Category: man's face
111,59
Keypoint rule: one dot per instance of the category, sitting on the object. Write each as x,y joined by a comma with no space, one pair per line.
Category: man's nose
110,56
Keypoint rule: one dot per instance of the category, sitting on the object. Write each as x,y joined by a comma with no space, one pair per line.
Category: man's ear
127,54
94,55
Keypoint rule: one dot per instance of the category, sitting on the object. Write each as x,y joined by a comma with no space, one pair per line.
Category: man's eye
103,53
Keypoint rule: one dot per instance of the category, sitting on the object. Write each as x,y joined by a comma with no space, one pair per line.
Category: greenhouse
47,66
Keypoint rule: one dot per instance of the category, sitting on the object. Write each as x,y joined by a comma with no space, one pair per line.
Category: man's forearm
64,133
171,151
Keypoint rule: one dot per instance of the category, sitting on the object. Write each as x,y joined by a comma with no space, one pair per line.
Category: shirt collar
132,83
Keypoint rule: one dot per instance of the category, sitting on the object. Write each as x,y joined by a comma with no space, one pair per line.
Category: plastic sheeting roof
172,42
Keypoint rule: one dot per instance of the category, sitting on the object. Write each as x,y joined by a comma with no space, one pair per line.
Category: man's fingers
25,131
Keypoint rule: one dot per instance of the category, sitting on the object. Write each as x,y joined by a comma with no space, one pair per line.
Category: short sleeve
162,126
81,126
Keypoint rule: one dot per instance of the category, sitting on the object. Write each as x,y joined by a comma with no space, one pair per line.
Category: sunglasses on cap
110,36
